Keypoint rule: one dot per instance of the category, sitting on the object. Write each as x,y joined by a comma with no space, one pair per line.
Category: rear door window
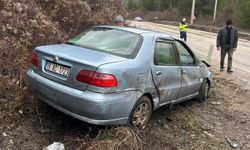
164,53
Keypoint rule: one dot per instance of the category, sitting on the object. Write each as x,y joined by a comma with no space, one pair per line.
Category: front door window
186,57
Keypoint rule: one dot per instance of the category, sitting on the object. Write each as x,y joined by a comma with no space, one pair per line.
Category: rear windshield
109,40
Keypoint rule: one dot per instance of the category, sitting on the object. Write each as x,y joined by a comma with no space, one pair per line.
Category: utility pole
192,13
215,10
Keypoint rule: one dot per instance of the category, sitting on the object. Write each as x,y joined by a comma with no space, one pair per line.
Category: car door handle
158,73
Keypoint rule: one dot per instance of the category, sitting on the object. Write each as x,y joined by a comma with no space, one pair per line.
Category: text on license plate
58,69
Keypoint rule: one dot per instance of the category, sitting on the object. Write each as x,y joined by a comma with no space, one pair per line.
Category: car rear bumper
91,107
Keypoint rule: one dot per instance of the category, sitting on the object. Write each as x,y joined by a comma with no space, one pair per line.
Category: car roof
140,31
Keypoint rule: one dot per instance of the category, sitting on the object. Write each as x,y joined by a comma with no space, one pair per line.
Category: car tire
140,113
204,90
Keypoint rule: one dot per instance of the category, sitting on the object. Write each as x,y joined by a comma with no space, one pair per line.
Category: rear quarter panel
132,74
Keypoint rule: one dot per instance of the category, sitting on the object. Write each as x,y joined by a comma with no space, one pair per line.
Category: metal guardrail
207,28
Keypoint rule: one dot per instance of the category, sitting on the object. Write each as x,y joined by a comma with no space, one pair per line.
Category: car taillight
96,78
34,59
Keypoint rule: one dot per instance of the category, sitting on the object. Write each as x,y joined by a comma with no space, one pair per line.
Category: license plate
59,69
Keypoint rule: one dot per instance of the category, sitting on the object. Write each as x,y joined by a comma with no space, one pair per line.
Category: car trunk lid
61,63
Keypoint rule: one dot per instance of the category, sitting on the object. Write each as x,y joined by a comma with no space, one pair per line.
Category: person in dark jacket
227,41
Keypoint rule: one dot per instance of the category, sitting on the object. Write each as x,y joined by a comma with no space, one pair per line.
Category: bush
26,24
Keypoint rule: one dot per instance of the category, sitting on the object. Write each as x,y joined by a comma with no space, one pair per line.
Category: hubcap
141,115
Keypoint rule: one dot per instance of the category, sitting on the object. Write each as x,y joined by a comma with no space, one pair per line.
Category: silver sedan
117,75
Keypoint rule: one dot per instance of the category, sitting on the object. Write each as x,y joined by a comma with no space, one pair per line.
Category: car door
166,71
191,77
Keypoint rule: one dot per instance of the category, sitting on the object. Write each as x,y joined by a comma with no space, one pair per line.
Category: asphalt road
200,41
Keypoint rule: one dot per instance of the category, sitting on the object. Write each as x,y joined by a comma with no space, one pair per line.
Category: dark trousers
183,35
229,53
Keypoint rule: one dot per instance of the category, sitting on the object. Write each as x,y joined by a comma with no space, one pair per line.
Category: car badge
55,59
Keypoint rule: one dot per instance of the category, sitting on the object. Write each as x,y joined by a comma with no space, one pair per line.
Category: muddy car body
117,75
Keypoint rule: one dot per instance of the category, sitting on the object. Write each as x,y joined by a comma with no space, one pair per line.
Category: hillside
26,24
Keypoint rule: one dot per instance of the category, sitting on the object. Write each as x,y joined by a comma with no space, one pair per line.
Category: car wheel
141,113
204,91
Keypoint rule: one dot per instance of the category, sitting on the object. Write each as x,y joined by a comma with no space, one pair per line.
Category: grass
117,138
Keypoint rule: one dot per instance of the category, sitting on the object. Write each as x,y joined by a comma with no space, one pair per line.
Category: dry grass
120,138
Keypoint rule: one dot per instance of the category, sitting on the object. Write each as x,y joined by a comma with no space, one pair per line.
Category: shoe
221,69
230,71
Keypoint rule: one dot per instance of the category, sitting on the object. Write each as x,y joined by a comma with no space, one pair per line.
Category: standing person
183,29
227,41
119,21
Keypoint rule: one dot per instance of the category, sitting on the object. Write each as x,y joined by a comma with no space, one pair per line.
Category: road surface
200,41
